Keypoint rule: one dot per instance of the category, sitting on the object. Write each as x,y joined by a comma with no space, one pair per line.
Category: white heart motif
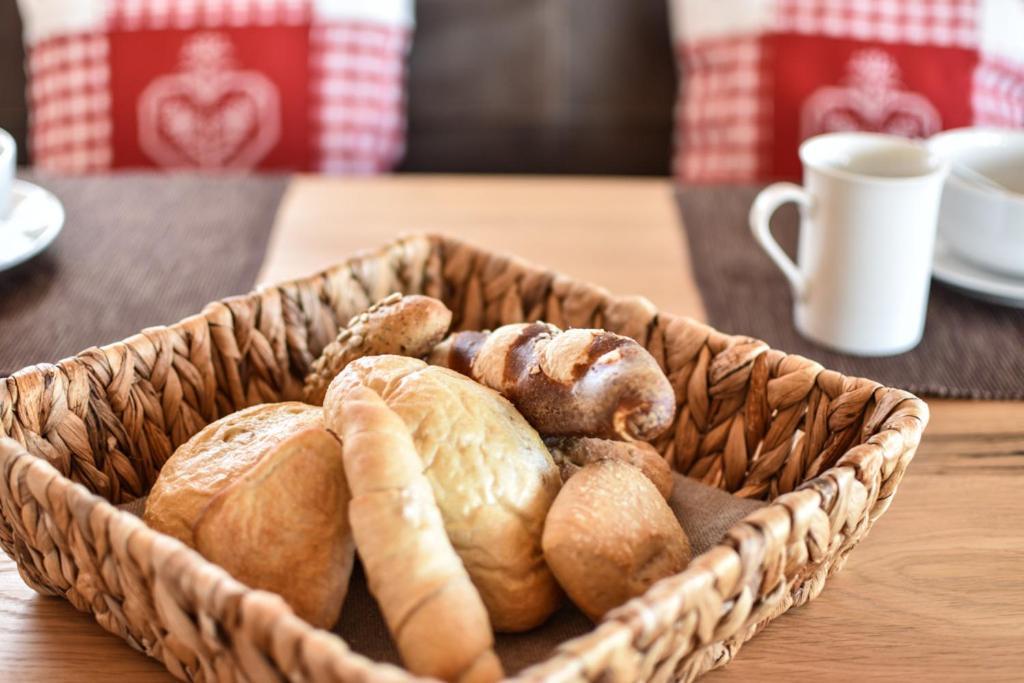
873,99
208,114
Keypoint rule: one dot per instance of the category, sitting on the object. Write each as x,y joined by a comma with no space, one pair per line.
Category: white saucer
974,281
36,218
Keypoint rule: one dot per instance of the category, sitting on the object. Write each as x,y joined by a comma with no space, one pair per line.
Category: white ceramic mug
8,158
868,214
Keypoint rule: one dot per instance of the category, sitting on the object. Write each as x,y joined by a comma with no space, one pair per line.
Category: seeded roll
573,383
401,325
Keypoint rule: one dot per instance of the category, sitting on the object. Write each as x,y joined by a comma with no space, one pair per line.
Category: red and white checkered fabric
358,91
69,96
997,95
759,76
915,22
217,84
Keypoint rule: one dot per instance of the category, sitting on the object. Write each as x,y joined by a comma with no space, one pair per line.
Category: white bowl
984,226
8,156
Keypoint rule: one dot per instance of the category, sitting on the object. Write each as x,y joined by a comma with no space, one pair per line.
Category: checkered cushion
760,76
217,84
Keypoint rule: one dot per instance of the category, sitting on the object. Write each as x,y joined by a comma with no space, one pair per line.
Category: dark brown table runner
137,250
971,349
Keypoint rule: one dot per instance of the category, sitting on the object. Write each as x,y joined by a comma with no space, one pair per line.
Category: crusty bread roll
573,452
491,474
214,457
610,535
433,611
262,493
573,383
283,526
403,325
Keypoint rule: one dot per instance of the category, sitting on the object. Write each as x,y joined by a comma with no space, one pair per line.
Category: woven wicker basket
93,430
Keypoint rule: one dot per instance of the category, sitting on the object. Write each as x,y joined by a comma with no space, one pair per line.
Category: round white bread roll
491,474
610,535
215,456
262,493
283,526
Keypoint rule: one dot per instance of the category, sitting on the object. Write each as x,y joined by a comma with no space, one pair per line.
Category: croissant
434,613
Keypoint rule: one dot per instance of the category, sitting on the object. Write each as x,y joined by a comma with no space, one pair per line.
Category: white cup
8,158
868,214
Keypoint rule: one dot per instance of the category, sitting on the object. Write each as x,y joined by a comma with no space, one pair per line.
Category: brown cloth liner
706,513
137,249
971,349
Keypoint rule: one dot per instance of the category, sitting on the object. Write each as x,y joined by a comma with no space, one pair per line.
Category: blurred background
533,86
712,91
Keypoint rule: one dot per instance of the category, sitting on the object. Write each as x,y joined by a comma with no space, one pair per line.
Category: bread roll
610,535
283,526
491,475
432,609
214,457
403,325
262,493
573,452
572,383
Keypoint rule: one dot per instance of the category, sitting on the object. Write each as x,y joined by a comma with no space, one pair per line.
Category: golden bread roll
283,526
403,325
434,613
573,383
610,535
491,474
214,457
573,452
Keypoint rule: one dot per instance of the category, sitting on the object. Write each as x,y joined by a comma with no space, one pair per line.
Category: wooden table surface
936,592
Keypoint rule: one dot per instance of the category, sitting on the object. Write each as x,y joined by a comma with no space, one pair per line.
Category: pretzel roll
573,383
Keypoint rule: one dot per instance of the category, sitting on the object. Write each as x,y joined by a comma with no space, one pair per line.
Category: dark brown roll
579,382
573,452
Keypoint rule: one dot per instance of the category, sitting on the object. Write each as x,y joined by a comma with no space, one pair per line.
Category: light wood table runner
936,592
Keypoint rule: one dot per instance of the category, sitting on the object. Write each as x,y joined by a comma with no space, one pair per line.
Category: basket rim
894,433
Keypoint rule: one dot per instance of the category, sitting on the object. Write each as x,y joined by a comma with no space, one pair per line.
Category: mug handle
767,203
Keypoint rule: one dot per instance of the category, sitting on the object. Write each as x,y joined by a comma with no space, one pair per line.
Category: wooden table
936,592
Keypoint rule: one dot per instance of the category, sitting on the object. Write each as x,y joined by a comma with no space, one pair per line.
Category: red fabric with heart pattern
760,76
217,84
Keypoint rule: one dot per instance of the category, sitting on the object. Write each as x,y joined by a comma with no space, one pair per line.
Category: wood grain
623,234
936,592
